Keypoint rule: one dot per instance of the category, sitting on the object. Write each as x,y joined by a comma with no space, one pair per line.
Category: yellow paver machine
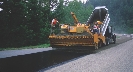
83,34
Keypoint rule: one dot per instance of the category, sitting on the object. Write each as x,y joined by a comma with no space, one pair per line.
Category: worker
96,28
53,23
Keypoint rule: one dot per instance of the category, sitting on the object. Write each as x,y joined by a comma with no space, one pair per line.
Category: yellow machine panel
64,26
79,30
73,29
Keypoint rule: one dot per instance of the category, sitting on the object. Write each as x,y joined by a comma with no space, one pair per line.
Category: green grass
27,47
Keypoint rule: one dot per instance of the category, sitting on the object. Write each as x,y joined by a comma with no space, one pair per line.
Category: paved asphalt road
115,59
10,53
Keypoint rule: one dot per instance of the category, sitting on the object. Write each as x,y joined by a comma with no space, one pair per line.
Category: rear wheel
100,43
114,38
114,42
107,41
96,46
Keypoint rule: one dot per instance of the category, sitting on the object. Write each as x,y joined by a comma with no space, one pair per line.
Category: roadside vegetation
27,47
26,23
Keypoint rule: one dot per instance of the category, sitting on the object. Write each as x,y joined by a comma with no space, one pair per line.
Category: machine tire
114,42
114,39
100,43
107,42
96,46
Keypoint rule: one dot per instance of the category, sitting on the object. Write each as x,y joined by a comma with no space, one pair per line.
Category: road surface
11,53
115,59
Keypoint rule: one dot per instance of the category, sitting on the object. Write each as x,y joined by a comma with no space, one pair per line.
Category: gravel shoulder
113,58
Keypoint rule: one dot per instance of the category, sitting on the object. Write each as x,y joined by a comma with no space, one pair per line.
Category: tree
82,11
11,21
27,22
120,12
23,22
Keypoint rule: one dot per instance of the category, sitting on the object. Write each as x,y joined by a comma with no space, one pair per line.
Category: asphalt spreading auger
83,34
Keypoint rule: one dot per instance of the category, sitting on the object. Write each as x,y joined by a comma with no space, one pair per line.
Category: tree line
27,22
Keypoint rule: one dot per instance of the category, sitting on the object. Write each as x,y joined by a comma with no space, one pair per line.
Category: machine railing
105,24
100,13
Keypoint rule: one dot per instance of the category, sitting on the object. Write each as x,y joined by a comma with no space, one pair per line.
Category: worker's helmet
98,21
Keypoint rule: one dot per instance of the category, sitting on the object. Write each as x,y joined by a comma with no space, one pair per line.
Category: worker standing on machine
53,23
96,28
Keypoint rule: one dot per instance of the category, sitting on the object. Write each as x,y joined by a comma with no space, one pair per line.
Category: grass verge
27,47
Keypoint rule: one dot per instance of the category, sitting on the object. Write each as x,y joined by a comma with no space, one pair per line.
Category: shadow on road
39,61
